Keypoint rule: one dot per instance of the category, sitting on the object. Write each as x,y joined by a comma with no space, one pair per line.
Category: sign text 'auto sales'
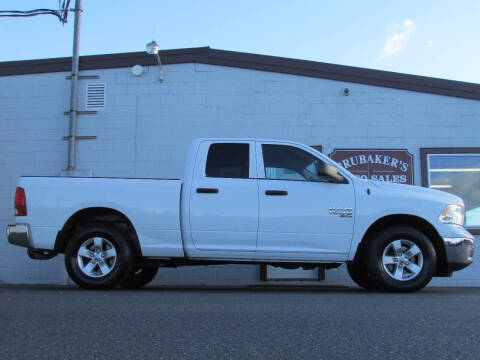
377,164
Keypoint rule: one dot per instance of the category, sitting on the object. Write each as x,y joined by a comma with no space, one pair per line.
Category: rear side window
229,160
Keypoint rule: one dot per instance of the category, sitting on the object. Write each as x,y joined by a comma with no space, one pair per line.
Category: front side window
284,162
459,174
228,160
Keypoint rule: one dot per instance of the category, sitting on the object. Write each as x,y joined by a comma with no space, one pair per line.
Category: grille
95,96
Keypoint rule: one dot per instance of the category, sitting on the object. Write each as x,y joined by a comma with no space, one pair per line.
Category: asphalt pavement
238,323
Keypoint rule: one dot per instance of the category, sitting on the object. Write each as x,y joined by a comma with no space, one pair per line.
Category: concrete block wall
32,126
147,126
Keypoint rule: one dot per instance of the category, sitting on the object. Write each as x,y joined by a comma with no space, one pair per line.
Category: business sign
377,164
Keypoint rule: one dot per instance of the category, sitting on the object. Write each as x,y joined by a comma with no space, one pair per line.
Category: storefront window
456,171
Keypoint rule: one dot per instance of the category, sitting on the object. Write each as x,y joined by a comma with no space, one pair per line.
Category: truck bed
151,205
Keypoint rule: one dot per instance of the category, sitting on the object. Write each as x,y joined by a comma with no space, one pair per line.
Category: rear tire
98,257
401,259
139,277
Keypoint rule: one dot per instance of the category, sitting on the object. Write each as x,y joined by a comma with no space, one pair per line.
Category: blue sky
436,38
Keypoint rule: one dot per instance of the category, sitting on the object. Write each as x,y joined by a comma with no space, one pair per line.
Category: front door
302,214
224,198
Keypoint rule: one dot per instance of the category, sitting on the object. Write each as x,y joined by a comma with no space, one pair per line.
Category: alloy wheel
402,260
96,257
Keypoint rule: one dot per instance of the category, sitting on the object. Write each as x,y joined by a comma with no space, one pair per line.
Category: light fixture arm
159,66
152,49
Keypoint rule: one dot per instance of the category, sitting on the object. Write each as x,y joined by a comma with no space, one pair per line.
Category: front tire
359,275
98,257
401,259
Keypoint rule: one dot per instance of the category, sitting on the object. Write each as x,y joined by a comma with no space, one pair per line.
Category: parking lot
236,323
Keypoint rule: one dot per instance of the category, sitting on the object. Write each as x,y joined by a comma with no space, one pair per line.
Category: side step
38,254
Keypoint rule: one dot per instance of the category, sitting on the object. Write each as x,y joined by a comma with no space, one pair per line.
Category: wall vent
95,96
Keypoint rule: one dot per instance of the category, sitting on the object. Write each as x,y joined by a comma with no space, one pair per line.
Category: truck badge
342,212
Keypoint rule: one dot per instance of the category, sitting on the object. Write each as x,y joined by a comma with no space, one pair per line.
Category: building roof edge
206,55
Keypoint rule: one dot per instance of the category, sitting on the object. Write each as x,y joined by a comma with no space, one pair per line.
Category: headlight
453,214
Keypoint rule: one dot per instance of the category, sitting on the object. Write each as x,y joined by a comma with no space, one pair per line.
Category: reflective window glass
228,160
284,162
458,174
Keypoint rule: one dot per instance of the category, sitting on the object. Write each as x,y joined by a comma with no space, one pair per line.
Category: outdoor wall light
137,70
346,91
152,49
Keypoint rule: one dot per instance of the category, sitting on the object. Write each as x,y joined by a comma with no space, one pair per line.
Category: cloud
399,38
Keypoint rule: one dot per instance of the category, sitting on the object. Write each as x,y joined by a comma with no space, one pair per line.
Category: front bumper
19,234
459,252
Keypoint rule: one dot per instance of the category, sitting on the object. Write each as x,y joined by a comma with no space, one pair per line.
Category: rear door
224,197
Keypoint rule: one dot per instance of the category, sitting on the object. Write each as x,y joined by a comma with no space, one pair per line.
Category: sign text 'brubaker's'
377,164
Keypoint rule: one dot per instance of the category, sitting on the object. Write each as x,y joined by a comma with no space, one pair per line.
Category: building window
457,171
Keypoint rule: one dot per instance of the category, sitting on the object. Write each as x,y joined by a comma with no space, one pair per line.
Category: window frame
314,151
249,160
425,152
199,160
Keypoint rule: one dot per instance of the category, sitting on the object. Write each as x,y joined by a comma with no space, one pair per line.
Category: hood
417,192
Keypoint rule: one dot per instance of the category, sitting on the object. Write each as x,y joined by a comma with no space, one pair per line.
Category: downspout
72,144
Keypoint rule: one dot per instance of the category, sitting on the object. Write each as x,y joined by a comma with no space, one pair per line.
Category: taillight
20,202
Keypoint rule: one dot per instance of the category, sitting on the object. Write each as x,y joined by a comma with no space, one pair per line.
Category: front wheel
401,259
360,276
98,257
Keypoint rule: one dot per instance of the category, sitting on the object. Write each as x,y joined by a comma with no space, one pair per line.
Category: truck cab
266,200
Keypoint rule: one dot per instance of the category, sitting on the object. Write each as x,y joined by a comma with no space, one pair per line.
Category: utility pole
72,144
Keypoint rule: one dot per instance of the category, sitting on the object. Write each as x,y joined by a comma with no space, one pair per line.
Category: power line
61,13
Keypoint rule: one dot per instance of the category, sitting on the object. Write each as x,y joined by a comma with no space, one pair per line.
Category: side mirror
331,172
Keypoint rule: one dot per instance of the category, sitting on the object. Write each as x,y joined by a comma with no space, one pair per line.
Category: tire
139,277
98,257
401,259
359,275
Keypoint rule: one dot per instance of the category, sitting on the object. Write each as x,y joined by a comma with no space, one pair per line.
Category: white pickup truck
243,201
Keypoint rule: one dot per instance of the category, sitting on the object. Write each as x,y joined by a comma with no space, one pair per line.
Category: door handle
207,191
276,192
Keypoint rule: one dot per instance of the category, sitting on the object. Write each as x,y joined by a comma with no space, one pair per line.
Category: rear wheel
98,257
139,276
401,259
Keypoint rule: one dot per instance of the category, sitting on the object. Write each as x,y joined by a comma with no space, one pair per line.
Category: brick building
141,127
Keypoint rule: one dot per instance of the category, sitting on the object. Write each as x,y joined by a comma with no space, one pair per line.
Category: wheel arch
413,221
97,215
